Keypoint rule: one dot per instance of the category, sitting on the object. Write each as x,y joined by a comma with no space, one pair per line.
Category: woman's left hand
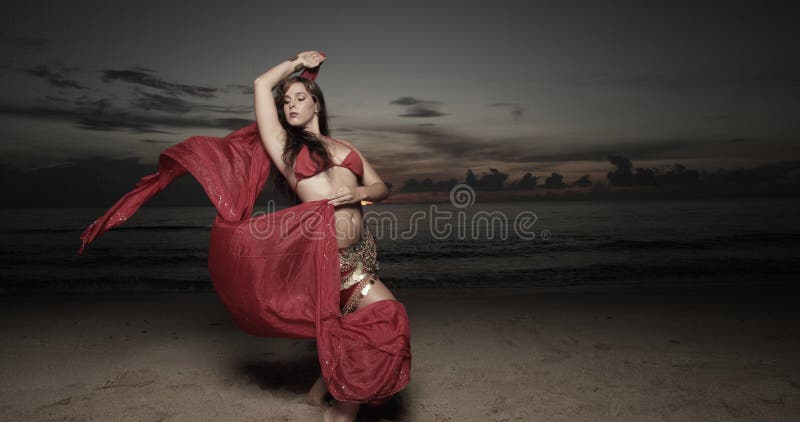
345,195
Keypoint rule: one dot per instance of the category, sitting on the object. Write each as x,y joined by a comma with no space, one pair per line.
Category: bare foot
316,396
341,411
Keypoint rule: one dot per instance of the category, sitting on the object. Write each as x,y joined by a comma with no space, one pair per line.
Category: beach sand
478,355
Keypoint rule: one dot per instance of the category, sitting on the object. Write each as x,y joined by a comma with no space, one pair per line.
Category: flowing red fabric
278,273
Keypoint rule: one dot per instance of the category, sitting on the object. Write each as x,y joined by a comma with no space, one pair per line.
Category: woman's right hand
311,59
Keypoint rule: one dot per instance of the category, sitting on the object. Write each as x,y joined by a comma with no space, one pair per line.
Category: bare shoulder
346,143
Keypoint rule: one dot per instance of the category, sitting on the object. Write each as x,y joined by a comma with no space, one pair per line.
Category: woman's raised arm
272,133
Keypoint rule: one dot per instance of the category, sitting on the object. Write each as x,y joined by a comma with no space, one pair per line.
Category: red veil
278,273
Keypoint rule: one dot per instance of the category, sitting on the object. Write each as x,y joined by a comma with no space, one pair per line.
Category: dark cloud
416,107
109,120
115,123
241,89
100,115
97,105
151,124
422,111
46,113
148,101
516,108
231,109
624,175
57,99
55,77
25,43
409,101
139,76
554,181
143,69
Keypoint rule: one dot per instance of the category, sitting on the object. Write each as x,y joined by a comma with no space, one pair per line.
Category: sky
423,89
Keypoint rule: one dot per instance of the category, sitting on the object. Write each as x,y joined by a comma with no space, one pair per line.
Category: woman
293,127
299,272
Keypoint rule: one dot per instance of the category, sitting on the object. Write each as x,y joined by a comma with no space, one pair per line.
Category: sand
485,355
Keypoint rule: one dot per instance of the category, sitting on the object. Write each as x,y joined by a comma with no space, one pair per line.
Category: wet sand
479,355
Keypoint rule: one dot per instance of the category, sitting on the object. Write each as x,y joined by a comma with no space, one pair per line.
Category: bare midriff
347,217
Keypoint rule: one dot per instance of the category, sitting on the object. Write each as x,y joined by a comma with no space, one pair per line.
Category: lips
292,114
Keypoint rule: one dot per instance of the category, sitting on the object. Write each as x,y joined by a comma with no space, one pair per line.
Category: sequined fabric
358,264
350,298
358,260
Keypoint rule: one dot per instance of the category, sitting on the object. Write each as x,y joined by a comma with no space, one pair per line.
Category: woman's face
298,105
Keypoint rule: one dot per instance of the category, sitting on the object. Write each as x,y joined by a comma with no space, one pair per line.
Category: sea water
549,244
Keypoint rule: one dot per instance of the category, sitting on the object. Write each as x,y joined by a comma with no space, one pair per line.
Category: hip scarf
277,273
358,263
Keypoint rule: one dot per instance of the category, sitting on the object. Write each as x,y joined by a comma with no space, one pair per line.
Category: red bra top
305,166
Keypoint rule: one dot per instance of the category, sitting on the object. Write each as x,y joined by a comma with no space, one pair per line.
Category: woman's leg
317,393
378,291
344,411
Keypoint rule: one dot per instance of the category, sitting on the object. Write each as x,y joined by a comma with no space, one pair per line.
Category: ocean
556,244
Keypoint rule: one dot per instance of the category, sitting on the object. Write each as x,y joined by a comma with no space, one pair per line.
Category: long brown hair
296,137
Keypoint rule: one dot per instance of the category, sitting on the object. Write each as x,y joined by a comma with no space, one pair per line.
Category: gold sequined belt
358,260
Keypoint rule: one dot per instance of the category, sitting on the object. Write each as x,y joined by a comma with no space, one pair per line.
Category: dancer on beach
294,127
307,271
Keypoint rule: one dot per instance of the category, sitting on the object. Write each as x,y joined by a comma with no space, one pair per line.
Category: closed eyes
299,96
